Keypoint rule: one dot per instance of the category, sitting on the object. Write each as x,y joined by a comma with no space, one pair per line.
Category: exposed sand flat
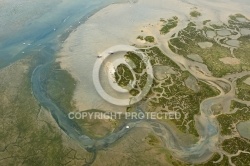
222,8
121,24
247,81
192,84
195,57
103,30
241,19
161,72
205,44
230,61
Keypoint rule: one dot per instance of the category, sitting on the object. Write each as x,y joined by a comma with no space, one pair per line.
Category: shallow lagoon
244,129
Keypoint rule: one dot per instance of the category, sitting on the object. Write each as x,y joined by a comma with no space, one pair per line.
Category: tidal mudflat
198,54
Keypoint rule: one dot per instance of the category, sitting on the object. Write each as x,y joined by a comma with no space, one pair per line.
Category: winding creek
206,122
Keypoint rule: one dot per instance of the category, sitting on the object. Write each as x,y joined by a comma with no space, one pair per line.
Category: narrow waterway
47,39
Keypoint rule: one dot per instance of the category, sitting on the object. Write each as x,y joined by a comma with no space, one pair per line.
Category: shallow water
211,34
59,21
224,32
244,129
234,43
46,26
245,31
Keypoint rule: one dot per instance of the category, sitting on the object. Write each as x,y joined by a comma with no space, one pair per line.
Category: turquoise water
46,28
46,33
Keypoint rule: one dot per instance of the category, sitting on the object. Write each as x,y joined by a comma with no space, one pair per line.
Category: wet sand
121,24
